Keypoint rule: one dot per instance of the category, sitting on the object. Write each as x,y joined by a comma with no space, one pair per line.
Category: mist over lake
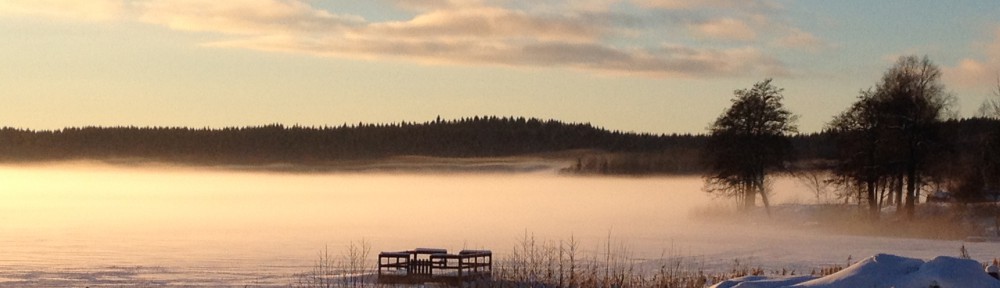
89,224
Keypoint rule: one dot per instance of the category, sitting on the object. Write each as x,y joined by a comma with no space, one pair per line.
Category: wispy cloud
713,4
487,23
729,29
431,5
978,71
668,60
755,22
246,17
795,38
576,34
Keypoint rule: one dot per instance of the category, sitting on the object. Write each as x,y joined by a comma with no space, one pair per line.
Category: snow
884,271
762,282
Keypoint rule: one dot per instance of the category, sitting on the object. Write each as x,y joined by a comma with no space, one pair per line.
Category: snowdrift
884,271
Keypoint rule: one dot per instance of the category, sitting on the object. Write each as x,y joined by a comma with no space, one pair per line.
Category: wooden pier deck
429,265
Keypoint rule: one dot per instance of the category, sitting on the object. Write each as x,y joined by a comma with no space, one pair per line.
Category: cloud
488,23
979,71
247,17
92,10
669,60
431,5
576,34
492,35
703,4
760,22
801,40
724,29
550,6
970,72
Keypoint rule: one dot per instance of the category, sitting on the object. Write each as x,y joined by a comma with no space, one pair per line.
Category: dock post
460,267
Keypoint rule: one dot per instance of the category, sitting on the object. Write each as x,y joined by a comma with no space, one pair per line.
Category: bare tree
863,149
891,131
991,106
818,182
748,142
989,161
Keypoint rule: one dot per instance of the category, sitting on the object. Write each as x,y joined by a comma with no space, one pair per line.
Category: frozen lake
81,224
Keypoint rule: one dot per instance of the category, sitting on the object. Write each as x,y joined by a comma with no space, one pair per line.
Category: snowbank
884,271
762,282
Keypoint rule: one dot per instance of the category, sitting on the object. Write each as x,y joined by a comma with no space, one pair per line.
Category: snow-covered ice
884,271
96,225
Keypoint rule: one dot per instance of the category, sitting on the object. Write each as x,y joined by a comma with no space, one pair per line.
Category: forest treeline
467,137
603,151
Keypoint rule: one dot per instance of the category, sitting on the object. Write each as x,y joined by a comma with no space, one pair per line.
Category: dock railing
424,265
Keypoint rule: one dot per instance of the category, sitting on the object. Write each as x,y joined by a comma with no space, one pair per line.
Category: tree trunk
898,187
861,195
763,194
888,192
882,187
911,192
871,188
749,197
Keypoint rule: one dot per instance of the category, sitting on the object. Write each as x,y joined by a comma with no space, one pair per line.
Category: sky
650,66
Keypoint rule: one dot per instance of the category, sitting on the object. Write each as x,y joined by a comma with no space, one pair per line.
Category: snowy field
77,225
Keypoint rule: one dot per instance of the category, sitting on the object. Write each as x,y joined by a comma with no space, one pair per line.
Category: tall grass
552,263
563,263
351,269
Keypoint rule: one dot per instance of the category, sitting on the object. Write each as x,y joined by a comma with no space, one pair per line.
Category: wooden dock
429,265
